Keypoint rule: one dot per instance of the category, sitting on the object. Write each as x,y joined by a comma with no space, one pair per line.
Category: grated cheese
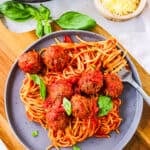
120,7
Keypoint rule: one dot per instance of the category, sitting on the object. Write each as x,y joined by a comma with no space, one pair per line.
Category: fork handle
141,91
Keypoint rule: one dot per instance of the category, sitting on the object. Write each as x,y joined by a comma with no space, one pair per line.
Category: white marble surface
2,145
134,34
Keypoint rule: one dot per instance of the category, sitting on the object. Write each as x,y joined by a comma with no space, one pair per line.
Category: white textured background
134,34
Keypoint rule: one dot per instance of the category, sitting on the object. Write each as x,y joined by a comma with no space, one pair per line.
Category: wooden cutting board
12,45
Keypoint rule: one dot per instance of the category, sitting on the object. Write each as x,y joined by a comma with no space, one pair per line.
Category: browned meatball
56,58
49,103
113,85
91,82
56,118
60,89
30,62
80,106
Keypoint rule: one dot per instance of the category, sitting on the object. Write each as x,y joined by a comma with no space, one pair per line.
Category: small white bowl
107,14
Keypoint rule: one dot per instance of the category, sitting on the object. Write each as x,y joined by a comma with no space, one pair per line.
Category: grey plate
131,109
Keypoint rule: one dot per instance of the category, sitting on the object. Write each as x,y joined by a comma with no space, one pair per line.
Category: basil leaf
40,82
35,78
44,12
67,106
75,20
47,28
105,105
39,28
75,147
42,89
15,11
33,11
35,133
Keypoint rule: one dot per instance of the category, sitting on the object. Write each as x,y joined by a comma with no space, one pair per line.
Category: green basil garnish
41,84
75,20
105,105
75,147
67,106
35,133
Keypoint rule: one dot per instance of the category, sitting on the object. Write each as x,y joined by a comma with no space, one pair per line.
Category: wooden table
12,45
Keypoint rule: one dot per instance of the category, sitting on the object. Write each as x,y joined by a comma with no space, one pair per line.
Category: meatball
56,58
30,62
80,106
60,89
56,118
49,103
112,85
91,82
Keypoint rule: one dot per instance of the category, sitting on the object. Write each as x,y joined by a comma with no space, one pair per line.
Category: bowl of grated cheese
119,10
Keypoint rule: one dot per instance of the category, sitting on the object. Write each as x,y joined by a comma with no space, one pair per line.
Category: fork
126,76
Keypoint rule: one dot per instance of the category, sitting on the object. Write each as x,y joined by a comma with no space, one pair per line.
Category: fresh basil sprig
67,106
75,20
21,12
105,105
18,11
41,84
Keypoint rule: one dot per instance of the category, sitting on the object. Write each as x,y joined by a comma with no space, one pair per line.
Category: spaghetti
83,57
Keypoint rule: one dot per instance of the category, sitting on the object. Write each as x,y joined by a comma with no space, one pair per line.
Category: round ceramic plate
130,111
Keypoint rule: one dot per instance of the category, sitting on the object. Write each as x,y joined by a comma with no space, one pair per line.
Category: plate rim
139,107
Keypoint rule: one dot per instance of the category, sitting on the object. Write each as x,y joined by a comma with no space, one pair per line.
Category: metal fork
126,76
